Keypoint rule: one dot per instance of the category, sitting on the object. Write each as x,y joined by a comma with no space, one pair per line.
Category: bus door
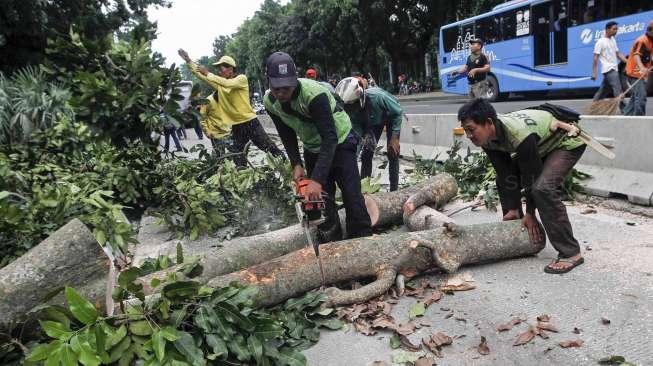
550,43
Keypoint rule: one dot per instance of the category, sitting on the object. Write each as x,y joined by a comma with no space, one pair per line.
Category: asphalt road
451,105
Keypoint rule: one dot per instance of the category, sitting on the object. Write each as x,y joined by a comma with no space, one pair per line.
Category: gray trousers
478,90
637,104
611,83
547,193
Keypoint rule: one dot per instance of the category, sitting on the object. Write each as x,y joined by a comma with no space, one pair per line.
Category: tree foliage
25,25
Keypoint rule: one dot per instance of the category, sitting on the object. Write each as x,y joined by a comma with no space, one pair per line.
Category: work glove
368,142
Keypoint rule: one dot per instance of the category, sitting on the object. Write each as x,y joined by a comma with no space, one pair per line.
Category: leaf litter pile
376,315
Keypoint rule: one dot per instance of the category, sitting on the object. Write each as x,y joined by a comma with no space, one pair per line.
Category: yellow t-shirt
233,105
211,123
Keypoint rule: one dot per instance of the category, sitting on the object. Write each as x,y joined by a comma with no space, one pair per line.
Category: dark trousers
181,132
171,132
251,131
198,129
547,193
344,172
393,162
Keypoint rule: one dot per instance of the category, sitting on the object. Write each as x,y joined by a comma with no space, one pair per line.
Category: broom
610,106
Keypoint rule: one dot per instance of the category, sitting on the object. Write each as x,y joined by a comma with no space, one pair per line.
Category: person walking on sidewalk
608,53
639,67
542,159
302,109
233,106
371,110
476,67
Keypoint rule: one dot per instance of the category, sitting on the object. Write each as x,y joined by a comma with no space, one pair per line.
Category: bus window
515,23
632,7
487,29
467,33
450,38
588,11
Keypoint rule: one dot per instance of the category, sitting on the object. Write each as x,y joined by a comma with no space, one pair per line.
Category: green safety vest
300,120
520,124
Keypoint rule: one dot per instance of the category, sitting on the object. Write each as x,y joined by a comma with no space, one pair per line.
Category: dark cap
476,40
281,70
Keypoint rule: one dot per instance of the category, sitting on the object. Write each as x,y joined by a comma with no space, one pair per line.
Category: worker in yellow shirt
216,130
232,106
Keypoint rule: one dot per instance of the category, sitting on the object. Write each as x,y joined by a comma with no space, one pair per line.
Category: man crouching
531,157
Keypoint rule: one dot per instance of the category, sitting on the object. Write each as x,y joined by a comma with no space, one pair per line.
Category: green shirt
300,119
380,106
518,125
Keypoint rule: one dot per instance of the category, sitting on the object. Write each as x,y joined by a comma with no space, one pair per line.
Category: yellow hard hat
226,60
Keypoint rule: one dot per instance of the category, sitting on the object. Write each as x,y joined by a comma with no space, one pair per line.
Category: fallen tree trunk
243,252
382,257
68,257
426,218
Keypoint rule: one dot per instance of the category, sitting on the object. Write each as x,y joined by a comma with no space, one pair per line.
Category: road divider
629,174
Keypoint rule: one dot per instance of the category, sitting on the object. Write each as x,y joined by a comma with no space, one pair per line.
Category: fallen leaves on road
483,348
379,363
615,360
605,321
436,341
402,357
417,310
425,361
524,338
459,282
434,297
588,210
571,343
504,327
544,318
408,345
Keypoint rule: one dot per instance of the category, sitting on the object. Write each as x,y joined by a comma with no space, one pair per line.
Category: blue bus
539,46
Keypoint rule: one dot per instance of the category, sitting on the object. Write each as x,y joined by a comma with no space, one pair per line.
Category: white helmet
350,91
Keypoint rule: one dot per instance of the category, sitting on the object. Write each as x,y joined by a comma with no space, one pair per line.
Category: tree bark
425,218
382,257
233,255
387,208
68,257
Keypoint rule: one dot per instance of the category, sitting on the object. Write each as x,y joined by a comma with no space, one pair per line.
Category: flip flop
574,264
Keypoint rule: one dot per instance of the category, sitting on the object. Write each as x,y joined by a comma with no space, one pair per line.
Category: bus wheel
493,89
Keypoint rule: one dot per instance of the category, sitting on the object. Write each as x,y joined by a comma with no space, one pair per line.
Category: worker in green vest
530,157
303,110
371,110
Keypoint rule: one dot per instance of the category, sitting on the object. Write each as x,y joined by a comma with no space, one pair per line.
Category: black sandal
574,264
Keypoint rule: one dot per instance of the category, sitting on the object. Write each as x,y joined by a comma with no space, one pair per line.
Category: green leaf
202,320
332,323
404,357
100,236
115,336
292,357
185,344
117,351
181,290
39,352
81,308
140,328
169,333
159,345
612,360
88,358
255,348
232,314
395,342
178,316
216,343
417,310
68,355
238,346
129,276
54,359
4,194
126,359
325,311
56,330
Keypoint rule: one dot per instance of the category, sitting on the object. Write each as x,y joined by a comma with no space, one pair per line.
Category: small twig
472,205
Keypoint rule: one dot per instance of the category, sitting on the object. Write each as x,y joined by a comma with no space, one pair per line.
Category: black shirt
475,62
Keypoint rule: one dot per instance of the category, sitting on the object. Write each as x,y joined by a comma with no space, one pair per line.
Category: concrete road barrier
629,175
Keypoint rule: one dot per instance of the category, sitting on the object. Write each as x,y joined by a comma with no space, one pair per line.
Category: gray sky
193,24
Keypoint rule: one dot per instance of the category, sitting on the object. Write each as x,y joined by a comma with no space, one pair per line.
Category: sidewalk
436,95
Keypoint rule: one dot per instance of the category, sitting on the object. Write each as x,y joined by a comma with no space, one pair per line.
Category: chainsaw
309,212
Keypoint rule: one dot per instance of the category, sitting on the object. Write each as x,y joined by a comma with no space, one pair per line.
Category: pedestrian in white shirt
607,51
